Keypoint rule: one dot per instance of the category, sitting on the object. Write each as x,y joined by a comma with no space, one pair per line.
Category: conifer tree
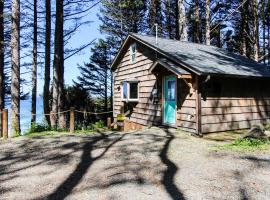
2,56
95,75
15,67
119,17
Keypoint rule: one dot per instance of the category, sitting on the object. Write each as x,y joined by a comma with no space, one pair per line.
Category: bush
38,128
99,124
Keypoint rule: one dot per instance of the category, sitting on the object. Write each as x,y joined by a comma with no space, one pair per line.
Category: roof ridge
163,38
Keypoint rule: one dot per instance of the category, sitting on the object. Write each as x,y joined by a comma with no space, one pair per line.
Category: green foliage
37,128
267,127
99,124
129,13
247,145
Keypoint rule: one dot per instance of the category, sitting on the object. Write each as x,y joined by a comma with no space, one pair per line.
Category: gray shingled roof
205,59
170,66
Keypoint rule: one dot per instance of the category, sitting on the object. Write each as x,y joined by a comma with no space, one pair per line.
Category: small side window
130,91
133,53
133,91
125,91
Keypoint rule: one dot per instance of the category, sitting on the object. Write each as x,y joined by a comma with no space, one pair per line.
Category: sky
83,36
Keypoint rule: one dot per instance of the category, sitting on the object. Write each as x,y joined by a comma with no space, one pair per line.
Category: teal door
169,116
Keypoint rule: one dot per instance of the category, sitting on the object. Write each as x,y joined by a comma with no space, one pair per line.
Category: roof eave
114,63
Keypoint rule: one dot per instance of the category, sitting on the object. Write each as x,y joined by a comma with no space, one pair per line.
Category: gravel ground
149,164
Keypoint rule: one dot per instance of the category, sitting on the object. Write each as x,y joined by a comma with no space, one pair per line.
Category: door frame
163,101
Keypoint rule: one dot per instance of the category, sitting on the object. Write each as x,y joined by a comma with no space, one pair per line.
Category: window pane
125,90
171,90
133,48
133,57
133,53
133,88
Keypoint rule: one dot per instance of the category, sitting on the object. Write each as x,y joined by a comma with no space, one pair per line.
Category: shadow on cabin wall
234,103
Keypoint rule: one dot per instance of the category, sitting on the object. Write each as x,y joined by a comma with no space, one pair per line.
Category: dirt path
150,164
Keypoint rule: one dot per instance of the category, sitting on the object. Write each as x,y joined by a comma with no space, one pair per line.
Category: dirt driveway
150,164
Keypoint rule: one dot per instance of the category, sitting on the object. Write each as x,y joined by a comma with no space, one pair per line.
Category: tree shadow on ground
169,174
86,161
45,151
139,158
144,163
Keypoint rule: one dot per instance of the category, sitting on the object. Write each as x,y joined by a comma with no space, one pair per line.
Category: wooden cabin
195,87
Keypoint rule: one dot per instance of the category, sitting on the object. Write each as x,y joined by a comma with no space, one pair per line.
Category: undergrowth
247,145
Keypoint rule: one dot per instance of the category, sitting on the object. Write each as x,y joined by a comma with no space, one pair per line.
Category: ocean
26,113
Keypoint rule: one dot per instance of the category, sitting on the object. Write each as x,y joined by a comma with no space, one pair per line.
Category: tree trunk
197,22
182,21
263,27
47,71
34,69
176,13
268,43
58,86
155,16
243,29
169,24
207,23
2,50
15,68
106,85
111,107
255,30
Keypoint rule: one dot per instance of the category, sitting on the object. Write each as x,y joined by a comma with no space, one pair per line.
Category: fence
71,118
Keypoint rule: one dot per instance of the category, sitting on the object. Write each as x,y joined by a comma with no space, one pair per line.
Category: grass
41,129
246,145
44,133
224,136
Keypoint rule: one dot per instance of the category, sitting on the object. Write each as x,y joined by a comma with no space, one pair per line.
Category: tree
121,17
207,22
255,23
47,70
182,21
2,56
197,22
34,68
15,68
58,68
155,16
95,76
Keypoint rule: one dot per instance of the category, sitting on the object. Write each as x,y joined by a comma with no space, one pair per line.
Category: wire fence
71,119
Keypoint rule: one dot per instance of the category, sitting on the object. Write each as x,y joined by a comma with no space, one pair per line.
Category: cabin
194,87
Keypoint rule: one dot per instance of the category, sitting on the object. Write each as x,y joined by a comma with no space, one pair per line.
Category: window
130,91
171,90
133,53
125,91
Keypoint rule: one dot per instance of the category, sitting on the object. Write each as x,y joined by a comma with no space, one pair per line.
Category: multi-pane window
130,91
133,53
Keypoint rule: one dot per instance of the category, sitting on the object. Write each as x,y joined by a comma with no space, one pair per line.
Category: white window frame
133,53
128,99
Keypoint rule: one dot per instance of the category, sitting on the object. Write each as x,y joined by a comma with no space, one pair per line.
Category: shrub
99,124
37,128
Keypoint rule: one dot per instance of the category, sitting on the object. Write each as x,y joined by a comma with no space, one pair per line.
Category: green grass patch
224,136
247,145
44,133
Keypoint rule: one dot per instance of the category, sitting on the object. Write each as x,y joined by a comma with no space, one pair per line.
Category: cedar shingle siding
228,101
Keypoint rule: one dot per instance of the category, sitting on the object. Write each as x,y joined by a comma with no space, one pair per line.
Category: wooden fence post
5,123
72,120
1,124
109,122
